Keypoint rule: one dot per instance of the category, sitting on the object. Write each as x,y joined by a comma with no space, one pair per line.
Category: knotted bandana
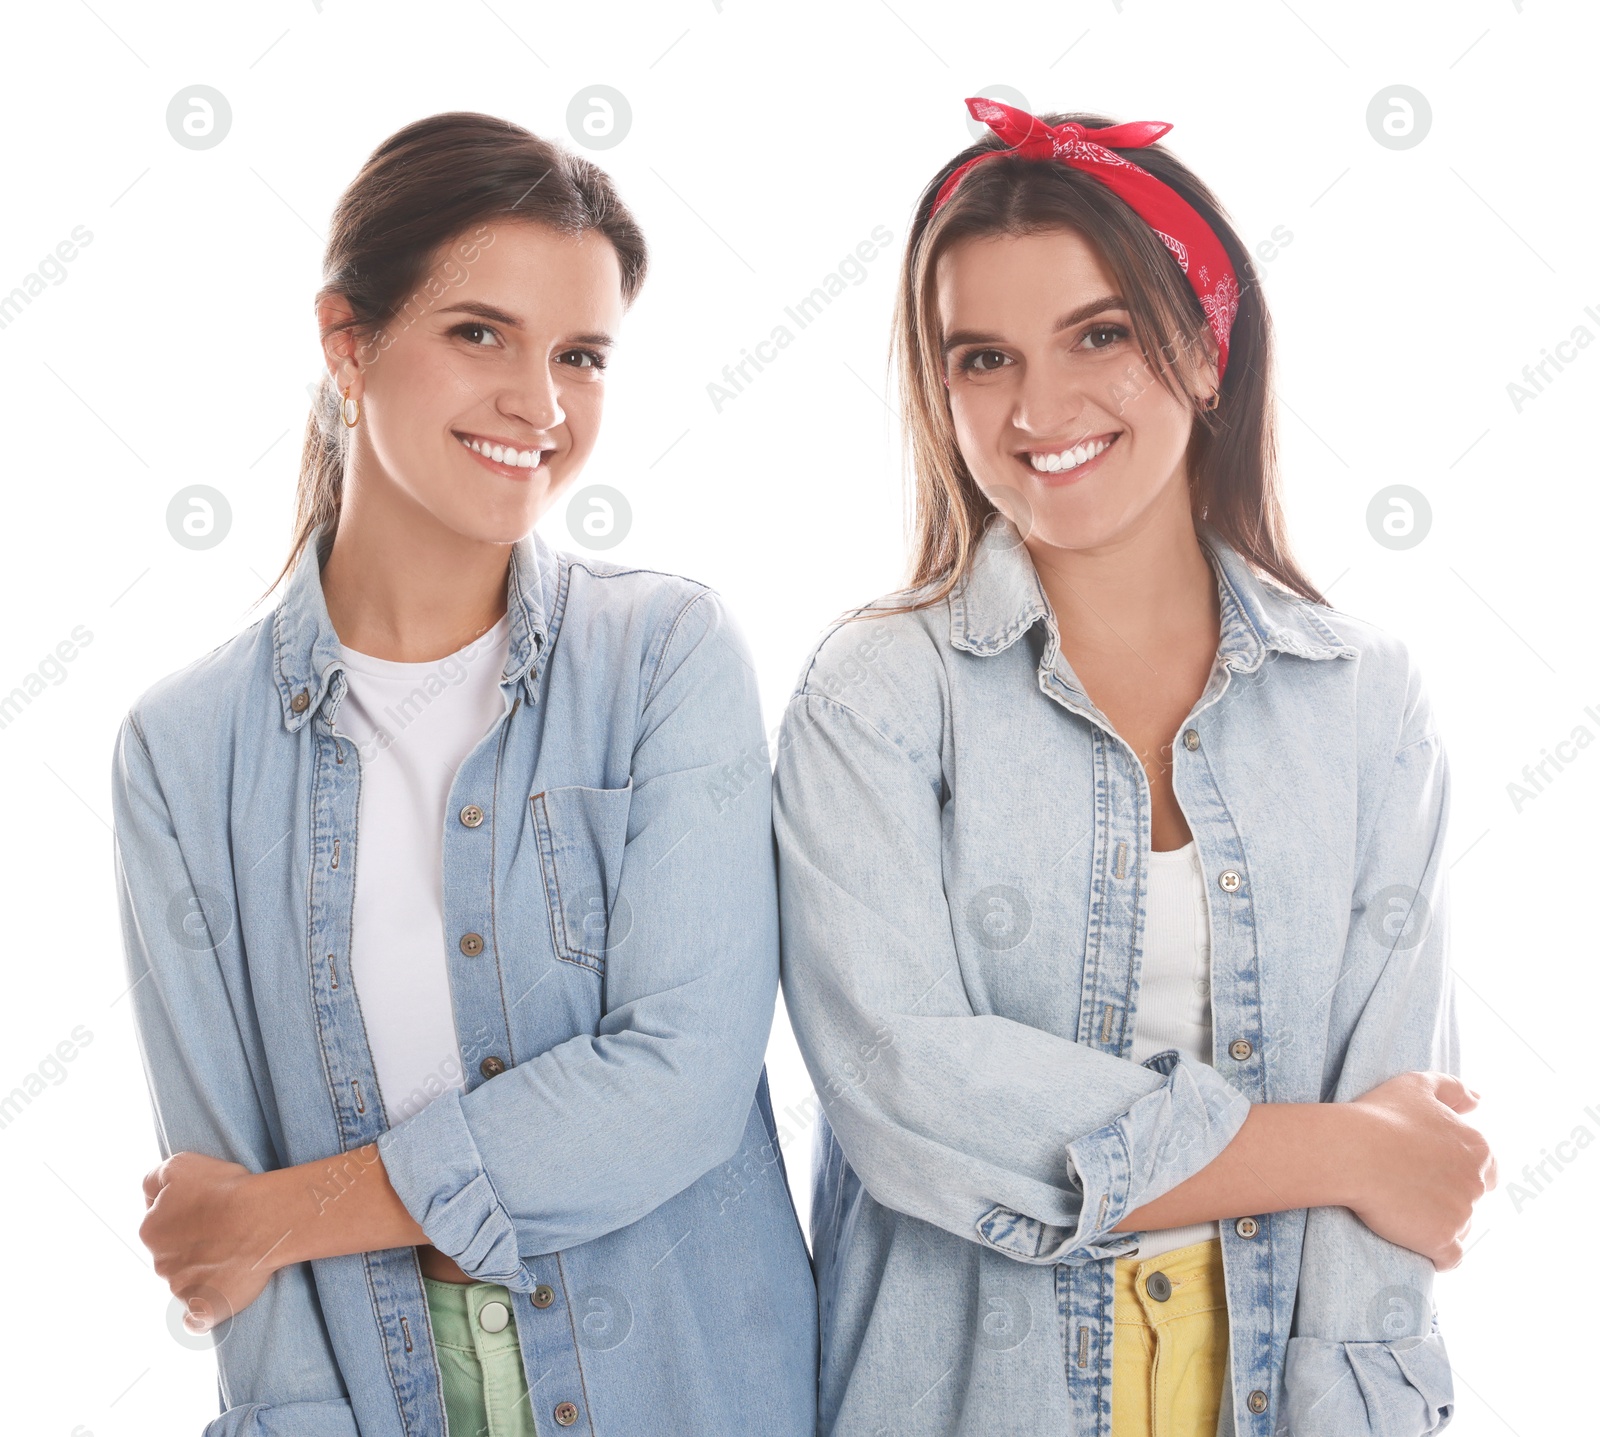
1176,222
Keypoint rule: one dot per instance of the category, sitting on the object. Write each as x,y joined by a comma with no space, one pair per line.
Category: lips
505,456
1072,461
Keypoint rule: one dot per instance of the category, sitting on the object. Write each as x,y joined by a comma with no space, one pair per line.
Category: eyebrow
499,316
1077,316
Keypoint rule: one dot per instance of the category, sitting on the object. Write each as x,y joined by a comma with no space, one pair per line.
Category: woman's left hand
201,1231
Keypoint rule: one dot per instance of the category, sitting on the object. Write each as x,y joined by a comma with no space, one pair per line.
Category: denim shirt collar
1001,598
307,650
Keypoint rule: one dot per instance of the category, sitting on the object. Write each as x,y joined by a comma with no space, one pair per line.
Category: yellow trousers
1169,1348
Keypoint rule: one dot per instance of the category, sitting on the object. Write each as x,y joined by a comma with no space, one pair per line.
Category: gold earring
1216,399
349,406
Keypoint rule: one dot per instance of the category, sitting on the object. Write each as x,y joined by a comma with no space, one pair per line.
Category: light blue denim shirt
963,863
614,1159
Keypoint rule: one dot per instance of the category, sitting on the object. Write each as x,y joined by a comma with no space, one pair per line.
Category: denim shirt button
1191,740
1257,1401
1246,1227
1240,1048
472,815
471,944
300,702
491,1066
543,1295
566,1413
1230,880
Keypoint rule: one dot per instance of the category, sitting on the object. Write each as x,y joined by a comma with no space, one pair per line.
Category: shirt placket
399,1302
1086,1291
1238,1028
480,808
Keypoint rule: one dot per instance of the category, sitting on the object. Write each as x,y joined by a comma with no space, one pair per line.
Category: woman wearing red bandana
1111,878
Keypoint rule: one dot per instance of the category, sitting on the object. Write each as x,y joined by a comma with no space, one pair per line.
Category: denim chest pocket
581,833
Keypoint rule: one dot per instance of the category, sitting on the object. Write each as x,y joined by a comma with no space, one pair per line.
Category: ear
1200,372
345,356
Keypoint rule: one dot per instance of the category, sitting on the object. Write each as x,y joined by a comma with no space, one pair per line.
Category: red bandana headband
1177,224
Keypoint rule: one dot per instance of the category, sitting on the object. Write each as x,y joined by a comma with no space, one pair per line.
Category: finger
153,1184
1453,1093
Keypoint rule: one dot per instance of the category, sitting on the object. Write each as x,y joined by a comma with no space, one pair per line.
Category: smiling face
1061,421
487,405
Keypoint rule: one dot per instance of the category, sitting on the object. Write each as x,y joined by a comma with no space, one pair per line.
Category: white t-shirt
414,725
1174,1003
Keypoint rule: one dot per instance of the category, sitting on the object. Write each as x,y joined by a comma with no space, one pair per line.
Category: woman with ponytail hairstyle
452,972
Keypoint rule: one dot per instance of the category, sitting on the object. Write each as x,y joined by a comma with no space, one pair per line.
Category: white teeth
516,458
1068,458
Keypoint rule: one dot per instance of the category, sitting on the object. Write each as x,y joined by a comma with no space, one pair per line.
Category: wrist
264,1206
1345,1140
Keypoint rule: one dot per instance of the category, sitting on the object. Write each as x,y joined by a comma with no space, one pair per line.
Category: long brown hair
1231,457
425,186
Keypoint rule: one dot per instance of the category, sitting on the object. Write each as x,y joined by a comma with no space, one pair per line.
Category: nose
1047,401
533,395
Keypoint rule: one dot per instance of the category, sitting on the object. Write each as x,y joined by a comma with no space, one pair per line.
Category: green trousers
480,1361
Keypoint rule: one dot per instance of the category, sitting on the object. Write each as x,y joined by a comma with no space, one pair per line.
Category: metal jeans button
493,1316
1159,1286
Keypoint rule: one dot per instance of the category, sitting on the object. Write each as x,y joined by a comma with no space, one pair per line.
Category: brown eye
970,365
1115,331
471,329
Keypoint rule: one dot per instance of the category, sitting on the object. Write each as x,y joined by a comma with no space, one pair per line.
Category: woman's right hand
1416,1167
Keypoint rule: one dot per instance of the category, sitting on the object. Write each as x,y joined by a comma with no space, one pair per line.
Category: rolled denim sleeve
189,995
1000,1132
594,1133
1365,1356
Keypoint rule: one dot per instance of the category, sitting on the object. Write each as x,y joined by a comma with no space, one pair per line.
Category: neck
1147,589
399,585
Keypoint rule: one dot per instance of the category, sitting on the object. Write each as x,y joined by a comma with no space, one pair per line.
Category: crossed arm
215,1228
1398,1157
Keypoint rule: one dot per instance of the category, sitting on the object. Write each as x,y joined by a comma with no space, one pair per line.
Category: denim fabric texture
963,852
611,918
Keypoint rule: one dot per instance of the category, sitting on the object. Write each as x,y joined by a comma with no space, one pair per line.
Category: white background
766,142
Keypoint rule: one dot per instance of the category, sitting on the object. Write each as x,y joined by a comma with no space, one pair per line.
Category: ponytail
322,456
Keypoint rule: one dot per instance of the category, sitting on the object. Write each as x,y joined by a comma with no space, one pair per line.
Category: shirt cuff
434,1165
1168,1135
1398,1388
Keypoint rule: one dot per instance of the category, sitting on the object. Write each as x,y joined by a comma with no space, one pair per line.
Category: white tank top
1173,1009
414,725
